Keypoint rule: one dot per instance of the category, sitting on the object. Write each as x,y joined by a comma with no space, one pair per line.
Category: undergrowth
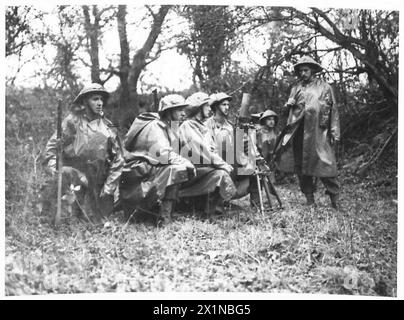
298,249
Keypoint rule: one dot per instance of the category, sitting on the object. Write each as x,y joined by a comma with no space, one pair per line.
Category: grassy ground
298,249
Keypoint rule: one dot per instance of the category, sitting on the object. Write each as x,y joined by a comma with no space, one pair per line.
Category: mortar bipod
262,173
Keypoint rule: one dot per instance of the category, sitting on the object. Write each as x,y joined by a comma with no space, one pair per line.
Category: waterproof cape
91,141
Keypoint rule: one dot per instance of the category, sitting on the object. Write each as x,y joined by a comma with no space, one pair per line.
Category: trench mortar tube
244,120
244,116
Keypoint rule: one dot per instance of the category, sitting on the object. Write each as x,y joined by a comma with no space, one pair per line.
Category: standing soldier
91,153
306,147
212,172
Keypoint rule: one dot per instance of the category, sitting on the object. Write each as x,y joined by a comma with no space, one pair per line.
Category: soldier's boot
167,205
166,209
309,199
211,203
335,201
219,209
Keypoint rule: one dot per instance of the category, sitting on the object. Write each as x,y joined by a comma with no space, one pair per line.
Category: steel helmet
267,114
217,98
195,102
309,61
171,101
91,88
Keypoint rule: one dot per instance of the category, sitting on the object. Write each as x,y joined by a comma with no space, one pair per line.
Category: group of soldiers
183,157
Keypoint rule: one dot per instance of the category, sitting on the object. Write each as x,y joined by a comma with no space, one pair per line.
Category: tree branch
151,12
346,43
139,59
337,32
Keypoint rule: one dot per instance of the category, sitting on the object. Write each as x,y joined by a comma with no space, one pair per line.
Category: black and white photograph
204,149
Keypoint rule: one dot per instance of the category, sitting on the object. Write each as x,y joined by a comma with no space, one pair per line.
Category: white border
382,5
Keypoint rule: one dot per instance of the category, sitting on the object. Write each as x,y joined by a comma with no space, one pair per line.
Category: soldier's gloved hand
105,192
228,168
83,179
290,103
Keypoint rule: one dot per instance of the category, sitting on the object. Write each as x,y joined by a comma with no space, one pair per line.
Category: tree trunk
92,32
139,59
124,99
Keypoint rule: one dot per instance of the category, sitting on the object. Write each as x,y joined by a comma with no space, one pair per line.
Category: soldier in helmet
212,172
306,148
153,168
220,127
223,133
266,137
91,151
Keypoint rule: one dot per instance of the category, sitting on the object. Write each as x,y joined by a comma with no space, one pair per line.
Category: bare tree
142,57
125,63
93,33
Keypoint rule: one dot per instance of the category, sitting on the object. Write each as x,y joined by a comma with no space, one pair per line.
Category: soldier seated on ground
232,147
212,172
91,154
